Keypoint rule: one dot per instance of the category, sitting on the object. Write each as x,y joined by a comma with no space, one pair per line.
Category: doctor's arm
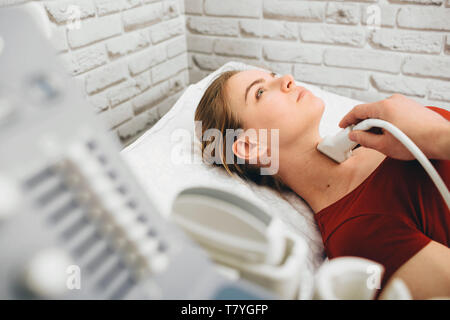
429,130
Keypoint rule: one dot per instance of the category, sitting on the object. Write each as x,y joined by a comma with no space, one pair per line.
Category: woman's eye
259,92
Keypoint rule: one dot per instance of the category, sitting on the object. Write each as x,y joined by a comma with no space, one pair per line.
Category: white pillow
155,159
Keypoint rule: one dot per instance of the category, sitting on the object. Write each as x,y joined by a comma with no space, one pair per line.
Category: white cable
412,147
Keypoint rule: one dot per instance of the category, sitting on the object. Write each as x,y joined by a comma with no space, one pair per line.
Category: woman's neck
321,181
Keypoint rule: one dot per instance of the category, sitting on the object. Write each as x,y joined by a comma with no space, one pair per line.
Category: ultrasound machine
74,223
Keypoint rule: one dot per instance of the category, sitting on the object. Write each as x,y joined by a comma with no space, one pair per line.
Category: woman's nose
287,83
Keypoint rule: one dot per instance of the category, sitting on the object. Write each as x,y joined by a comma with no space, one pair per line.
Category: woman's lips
301,93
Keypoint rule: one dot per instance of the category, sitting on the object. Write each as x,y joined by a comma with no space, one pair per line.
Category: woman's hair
214,112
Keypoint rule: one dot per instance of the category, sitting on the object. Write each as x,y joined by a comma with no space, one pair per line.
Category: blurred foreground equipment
74,224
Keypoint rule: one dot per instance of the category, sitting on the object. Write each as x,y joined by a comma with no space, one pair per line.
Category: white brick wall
134,57
129,55
332,44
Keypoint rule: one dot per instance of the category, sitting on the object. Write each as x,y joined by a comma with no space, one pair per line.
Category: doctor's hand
426,128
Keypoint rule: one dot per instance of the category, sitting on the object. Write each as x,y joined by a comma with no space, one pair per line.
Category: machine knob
10,197
46,275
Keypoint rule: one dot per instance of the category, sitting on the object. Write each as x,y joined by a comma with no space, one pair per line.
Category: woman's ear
248,148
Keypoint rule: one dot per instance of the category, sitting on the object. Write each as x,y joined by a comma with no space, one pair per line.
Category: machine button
157,263
10,197
46,274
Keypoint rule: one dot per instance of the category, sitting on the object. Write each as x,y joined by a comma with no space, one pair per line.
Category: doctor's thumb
367,139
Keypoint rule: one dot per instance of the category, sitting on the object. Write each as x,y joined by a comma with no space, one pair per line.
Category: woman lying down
369,206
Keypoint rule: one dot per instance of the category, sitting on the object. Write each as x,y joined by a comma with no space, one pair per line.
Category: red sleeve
383,238
442,112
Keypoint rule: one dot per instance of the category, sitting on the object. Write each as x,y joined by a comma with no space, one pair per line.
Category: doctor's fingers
361,112
385,143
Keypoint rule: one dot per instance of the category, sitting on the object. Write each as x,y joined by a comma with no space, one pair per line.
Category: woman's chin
319,103
314,102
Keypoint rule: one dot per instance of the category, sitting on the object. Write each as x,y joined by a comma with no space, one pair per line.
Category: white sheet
151,159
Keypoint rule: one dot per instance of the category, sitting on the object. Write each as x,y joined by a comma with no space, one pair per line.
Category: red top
390,216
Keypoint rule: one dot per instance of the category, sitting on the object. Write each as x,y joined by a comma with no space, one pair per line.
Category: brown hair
214,112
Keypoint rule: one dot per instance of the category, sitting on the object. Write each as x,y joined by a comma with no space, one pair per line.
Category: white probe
339,148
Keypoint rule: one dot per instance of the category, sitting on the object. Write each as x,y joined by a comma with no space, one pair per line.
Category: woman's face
265,101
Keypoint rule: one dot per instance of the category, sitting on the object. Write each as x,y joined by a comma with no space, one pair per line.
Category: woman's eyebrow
251,85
